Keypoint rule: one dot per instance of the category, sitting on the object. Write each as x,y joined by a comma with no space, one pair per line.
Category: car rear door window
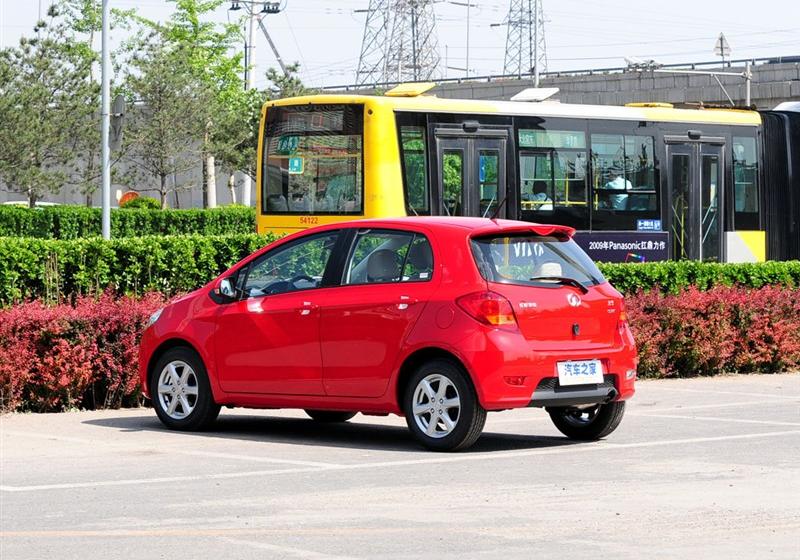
386,256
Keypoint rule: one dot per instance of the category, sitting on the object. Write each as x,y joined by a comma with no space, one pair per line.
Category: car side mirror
225,289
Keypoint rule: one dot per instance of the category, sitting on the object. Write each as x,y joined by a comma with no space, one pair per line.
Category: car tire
330,416
588,424
181,392
457,426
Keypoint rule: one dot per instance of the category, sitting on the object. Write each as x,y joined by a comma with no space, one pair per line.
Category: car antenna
499,207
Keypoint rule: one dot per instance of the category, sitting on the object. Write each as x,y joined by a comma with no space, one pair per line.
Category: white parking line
714,419
680,408
215,455
286,551
463,457
739,393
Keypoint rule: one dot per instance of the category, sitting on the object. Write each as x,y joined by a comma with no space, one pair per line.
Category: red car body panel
344,347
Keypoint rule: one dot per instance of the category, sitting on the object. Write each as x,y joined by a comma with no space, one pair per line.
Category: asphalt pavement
705,468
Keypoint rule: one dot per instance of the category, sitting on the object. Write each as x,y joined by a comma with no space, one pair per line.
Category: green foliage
142,202
167,125
47,105
674,276
72,222
53,270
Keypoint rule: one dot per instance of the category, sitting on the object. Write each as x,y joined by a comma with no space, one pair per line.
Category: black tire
203,409
588,424
470,417
330,416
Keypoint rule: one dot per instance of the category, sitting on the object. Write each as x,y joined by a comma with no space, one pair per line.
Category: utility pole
535,43
469,7
106,122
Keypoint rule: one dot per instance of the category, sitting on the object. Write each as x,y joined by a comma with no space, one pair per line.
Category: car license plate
580,372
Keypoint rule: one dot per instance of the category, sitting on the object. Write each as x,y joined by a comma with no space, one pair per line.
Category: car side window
385,256
299,266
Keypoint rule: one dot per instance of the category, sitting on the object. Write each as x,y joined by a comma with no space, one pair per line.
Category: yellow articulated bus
640,182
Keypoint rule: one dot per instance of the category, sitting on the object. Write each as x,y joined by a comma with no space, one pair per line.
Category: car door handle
307,308
405,301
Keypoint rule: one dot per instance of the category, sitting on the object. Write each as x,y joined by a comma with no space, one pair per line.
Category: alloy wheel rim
436,406
178,389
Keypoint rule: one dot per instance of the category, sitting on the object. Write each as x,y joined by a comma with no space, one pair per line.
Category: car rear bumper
549,393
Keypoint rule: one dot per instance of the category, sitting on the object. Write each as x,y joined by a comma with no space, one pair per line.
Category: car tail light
489,308
622,321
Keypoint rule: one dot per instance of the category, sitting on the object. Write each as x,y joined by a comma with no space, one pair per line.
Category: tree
45,97
166,129
210,57
286,85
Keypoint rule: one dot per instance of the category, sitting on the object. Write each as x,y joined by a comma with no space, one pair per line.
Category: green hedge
674,276
51,269
75,222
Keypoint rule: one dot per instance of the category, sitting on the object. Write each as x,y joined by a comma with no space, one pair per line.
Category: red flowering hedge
723,330
66,356
84,355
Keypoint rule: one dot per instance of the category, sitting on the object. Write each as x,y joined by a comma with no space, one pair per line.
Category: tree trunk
211,184
163,192
232,187
31,198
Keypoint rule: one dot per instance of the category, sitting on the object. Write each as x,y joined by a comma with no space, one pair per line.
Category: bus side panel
383,179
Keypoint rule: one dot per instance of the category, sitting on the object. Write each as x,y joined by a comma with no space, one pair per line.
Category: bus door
471,171
695,171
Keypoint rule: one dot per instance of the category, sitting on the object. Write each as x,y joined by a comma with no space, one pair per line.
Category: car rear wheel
181,391
588,423
330,416
441,407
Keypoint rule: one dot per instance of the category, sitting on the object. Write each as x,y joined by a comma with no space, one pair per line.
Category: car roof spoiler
543,230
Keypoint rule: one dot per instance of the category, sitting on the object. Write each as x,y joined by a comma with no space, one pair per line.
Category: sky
324,36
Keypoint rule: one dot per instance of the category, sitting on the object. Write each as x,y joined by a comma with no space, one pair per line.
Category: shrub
67,356
55,269
675,276
74,222
723,329
142,202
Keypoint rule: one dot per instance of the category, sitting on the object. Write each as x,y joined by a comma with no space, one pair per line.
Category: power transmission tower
526,50
399,43
377,31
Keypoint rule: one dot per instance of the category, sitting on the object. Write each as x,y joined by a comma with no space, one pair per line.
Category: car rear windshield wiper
561,280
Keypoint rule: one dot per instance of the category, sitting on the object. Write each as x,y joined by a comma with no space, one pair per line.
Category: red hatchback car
436,319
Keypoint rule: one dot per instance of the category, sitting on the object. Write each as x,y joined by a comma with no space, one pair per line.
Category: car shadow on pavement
301,431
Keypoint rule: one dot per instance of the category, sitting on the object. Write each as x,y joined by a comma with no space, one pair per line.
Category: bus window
488,181
313,160
745,183
453,179
624,180
553,175
415,169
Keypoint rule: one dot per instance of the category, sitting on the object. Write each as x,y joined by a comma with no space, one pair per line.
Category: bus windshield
313,160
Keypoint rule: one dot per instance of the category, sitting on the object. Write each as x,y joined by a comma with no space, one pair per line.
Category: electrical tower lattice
399,43
526,51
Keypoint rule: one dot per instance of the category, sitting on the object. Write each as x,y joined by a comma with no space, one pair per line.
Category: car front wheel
441,407
181,391
588,423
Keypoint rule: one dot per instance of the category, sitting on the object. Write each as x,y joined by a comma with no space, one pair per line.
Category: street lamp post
106,122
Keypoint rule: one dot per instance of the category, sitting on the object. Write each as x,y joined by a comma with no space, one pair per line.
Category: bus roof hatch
414,89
